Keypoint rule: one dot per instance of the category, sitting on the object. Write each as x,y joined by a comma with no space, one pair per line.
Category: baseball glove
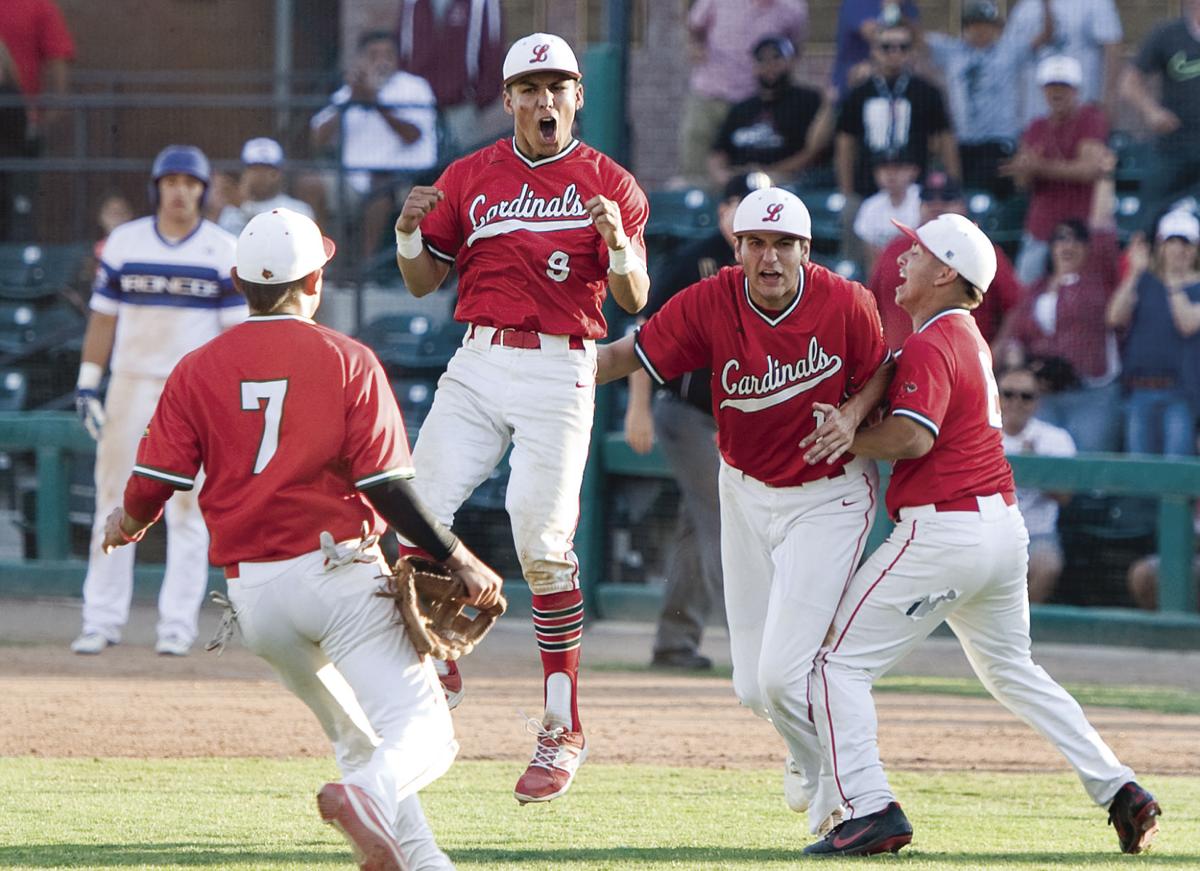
429,602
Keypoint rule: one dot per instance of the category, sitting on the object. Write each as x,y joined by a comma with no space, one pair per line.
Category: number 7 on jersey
253,392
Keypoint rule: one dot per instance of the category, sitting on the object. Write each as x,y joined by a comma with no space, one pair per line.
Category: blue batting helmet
184,159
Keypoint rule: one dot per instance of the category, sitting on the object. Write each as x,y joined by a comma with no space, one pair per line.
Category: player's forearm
867,400
845,153
400,507
423,274
616,360
630,290
144,497
98,339
896,438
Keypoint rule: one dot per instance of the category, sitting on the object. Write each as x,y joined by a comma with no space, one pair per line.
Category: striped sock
558,626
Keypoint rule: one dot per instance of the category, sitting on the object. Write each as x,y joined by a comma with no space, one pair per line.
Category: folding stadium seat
686,214
14,386
1134,158
39,271
415,395
825,207
412,342
1001,219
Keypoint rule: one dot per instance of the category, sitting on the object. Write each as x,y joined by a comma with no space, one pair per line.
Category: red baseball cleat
354,813
557,757
452,683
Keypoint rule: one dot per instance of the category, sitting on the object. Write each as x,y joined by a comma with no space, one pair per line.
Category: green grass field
251,814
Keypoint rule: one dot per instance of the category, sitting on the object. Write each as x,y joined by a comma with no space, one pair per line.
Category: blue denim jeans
1092,415
1159,422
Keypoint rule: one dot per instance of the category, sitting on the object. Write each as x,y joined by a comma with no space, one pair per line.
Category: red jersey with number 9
768,367
528,255
290,420
944,382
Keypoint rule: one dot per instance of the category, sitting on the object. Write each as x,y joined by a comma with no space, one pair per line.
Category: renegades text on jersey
769,367
554,281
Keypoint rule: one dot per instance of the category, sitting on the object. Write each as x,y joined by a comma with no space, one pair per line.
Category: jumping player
304,450
162,289
780,334
537,224
958,554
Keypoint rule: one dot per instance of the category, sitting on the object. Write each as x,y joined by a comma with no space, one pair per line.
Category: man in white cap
958,554
782,336
261,186
296,502
539,227
1060,159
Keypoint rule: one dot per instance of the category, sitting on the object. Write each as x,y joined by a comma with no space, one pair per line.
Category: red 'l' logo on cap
539,54
773,212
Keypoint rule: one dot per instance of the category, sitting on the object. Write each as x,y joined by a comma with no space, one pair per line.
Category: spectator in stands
894,109
114,211
1060,158
721,34
223,191
781,130
857,24
939,195
41,46
383,123
1062,320
1088,31
1158,284
14,140
1025,433
261,186
458,47
1172,54
979,68
1142,580
682,418
898,199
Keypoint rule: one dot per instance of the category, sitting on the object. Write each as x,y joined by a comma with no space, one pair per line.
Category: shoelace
336,557
548,747
227,625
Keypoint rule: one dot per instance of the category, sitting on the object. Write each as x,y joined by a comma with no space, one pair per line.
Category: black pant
981,162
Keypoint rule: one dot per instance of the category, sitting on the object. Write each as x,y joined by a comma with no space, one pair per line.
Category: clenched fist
607,218
421,200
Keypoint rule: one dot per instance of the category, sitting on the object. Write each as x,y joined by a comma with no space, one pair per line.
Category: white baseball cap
281,246
539,53
262,150
1179,222
772,210
960,244
1060,69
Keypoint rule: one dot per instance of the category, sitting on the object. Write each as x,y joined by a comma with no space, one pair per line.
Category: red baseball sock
558,626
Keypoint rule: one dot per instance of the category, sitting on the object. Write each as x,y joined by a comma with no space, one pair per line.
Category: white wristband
409,245
622,262
89,376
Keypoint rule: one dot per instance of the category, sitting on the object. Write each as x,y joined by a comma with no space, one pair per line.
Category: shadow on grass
165,855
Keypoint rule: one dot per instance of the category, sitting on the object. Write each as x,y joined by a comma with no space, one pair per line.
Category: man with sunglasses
1023,433
940,195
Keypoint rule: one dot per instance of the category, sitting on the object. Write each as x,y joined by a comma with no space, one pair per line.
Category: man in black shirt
781,130
683,422
1171,52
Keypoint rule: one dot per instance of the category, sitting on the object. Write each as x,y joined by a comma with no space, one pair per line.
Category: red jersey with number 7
528,255
944,382
769,367
290,420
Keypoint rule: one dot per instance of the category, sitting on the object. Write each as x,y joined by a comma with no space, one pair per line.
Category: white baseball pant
540,400
108,587
966,568
338,648
787,554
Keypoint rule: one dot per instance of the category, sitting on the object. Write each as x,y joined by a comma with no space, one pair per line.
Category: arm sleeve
56,42
441,228
169,452
920,389
376,446
395,500
676,339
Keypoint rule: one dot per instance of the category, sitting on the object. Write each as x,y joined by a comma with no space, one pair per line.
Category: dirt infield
129,702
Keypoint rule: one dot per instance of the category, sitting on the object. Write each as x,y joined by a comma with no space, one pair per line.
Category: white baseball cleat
89,644
172,645
354,813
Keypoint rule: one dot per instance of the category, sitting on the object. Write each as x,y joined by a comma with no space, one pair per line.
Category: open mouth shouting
548,130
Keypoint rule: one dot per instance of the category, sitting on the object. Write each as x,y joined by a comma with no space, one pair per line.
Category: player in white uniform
162,289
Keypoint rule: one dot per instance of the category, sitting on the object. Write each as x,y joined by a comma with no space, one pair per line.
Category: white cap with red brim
960,244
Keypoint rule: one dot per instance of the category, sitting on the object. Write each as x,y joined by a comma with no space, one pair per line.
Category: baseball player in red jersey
303,447
958,554
781,336
538,225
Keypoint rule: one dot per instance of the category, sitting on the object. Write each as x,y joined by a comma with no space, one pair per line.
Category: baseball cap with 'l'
281,246
772,210
960,244
540,53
